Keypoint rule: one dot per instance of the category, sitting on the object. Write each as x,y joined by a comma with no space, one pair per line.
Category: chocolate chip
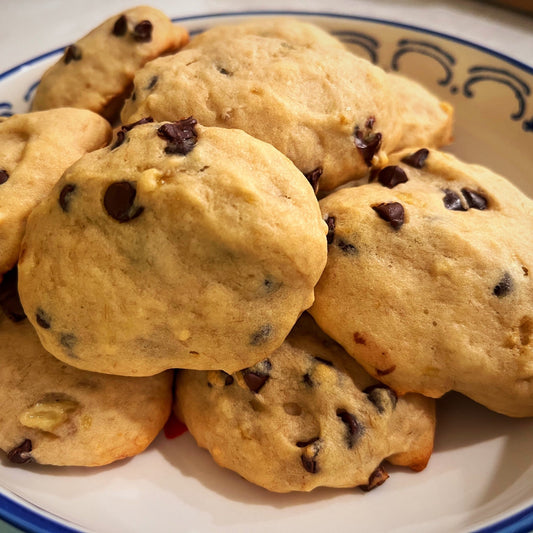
225,72
256,376
180,136
142,33
228,380
309,457
121,134
119,200
305,443
152,83
391,212
452,201
353,428
72,53
144,120
323,361
381,396
377,478
313,178
330,221
68,340
367,142
121,137
261,336
346,247
9,297
121,26
4,176
474,199
43,319
504,286
65,196
21,454
416,159
307,380
391,176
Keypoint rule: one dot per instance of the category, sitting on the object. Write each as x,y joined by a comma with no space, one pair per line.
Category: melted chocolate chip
309,457
256,376
261,336
119,200
391,176
353,429
381,396
9,297
21,454
416,159
377,478
504,286
144,120
121,137
43,319
142,33
4,176
474,199
391,212
121,26
346,247
330,221
152,83
313,178
72,53
452,201
367,142
121,134
180,136
65,196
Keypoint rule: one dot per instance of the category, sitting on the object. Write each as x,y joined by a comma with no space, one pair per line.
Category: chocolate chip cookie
55,414
306,416
36,149
96,72
176,246
332,113
428,280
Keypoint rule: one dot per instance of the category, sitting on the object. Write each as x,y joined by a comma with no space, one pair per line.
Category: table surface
505,31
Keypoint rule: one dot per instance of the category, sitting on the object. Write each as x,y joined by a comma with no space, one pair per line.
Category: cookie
306,416
96,72
332,113
428,280
425,120
55,414
177,246
36,149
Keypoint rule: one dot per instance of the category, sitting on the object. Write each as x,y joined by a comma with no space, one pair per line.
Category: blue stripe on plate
30,519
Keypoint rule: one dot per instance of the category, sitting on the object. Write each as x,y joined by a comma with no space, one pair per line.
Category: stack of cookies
272,224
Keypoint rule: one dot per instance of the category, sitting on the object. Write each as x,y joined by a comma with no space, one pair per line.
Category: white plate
481,473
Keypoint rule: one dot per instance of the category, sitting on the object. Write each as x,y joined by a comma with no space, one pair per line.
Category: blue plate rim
25,517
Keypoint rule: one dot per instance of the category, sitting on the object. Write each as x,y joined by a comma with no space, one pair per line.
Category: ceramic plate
481,474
